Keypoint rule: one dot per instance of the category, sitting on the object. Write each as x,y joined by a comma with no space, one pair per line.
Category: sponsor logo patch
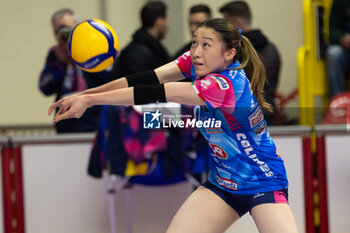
256,118
213,130
223,84
226,183
260,129
218,151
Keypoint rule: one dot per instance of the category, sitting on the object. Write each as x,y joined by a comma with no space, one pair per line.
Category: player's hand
69,107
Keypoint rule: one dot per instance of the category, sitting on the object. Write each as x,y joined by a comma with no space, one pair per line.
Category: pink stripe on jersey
279,197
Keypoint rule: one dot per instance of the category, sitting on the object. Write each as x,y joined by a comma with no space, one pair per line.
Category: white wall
60,197
338,174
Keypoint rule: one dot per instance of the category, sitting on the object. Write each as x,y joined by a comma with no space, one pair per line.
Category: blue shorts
244,203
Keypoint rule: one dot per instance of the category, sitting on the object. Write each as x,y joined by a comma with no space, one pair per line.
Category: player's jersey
244,158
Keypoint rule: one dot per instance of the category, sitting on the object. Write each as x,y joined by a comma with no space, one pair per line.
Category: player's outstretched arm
75,106
169,72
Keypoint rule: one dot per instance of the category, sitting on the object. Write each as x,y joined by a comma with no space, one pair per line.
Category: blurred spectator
61,77
127,139
238,13
145,52
198,14
338,52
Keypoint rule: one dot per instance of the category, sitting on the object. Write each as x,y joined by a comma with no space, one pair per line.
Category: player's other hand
69,107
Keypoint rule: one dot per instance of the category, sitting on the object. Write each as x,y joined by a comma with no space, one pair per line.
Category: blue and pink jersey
244,158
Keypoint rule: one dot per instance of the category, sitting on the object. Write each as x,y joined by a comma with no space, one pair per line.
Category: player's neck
153,32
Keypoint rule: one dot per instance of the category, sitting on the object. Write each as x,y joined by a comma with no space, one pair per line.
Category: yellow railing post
311,68
312,74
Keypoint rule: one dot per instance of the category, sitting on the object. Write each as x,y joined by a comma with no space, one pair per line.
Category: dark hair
237,9
65,11
151,12
246,55
200,8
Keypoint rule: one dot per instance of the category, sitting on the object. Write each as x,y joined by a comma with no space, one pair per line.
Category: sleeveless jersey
244,158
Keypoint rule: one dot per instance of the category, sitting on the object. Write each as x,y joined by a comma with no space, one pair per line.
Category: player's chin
200,72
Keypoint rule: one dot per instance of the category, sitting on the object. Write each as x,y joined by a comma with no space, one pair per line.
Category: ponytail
255,71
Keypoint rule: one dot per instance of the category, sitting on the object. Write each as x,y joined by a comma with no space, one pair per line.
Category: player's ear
230,54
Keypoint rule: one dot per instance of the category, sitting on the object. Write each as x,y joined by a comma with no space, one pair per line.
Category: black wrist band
149,94
142,78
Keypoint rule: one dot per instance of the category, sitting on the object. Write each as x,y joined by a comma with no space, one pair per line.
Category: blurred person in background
145,51
338,52
198,13
61,77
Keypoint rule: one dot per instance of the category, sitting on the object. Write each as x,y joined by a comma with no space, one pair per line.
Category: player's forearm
122,96
181,93
110,86
169,73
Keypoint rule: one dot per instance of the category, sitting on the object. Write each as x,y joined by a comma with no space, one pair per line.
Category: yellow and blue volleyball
93,45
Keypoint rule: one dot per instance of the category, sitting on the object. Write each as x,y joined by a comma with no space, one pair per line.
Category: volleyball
93,45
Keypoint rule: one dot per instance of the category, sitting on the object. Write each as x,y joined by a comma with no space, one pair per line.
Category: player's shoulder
238,78
184,58
186,55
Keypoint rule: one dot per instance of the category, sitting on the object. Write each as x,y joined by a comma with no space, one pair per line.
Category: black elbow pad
146,94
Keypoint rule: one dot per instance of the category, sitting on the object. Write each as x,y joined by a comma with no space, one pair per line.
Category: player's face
195,19
163,25
208,52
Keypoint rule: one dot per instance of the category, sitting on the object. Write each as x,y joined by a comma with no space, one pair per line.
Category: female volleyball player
246,172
